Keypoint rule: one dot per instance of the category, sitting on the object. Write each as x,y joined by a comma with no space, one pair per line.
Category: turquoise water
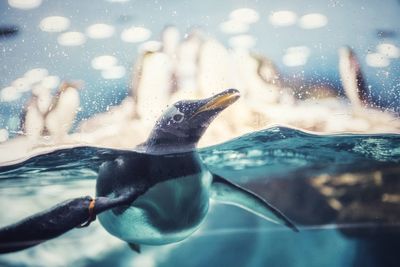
278,163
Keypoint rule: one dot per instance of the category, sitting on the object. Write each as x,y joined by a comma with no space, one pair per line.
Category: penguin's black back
137,170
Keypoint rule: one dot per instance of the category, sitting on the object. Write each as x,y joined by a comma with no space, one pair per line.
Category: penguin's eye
177,117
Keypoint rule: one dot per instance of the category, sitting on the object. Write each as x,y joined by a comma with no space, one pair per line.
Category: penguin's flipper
230,193
134,247
48,224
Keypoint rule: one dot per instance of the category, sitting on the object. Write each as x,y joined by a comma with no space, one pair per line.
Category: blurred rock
362,205
297,199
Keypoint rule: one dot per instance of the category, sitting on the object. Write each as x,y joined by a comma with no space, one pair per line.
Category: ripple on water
378,149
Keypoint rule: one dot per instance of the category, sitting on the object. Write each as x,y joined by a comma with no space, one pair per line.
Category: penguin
151,85
154,76
214,68
34,113
259,77
44,98
187,68
353,81
32,122
62,111
170,38
158,196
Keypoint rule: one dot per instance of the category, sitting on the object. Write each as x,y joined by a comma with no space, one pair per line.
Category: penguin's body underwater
157,196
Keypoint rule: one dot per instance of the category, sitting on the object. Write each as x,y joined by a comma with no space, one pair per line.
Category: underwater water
339,189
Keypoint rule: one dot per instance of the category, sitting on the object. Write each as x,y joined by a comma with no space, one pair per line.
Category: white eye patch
175,115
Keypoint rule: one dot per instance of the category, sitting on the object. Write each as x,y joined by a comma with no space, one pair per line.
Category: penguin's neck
165,143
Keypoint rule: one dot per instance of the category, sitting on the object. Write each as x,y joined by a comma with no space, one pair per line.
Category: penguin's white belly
169,212
33,122
60,120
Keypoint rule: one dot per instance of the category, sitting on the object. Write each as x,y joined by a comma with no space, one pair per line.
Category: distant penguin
170,38
188,57
215,68
34,113
270,74
188,66
267,70
32,122
152,84
352,78
258,76
44,98
143,50
152,91
62,112
218,68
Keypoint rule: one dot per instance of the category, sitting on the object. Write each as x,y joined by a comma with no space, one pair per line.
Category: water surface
283,165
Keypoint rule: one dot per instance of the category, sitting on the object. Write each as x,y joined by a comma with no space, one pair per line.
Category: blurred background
101,72
98,44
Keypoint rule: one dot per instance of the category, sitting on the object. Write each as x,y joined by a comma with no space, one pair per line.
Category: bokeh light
9,94
36,75
54,24
245,15
115,72
104,62
22,84
135,34
296,56
283,18
24,4
244,41
377,60
233,27
50,82
100,31
388,50
71,39
313,21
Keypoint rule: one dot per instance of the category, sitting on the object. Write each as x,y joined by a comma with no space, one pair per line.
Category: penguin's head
183,124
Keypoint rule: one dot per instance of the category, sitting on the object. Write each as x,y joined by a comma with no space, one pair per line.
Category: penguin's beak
219,101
